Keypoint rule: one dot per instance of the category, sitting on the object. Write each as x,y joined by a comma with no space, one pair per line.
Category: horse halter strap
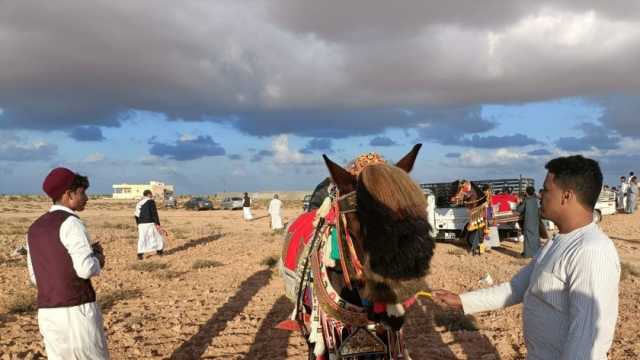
347,204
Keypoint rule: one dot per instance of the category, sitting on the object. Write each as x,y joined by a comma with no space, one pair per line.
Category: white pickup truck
449,222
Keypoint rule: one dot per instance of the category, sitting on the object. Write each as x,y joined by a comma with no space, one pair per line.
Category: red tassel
288,325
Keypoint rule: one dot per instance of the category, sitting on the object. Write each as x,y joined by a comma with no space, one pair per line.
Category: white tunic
74,332
149,237
275,207
570,296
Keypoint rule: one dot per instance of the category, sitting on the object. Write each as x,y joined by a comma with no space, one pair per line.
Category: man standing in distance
61,260
150,233
569,290
246,207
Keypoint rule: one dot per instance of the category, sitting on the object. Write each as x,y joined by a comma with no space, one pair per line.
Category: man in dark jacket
150,232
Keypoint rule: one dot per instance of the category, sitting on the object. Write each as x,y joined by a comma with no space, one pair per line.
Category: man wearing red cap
61,261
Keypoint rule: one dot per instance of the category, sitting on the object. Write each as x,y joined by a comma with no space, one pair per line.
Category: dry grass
456,252
628,270
21,302
148,266
455,321
108,300
204,264
269,261
168,274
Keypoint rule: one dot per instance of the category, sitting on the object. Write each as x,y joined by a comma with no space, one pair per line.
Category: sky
216,96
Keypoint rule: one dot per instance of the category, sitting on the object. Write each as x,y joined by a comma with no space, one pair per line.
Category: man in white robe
275,210
150,233
61,260
622,194
246,207
569,290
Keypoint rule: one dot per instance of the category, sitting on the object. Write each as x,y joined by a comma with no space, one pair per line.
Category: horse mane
393,219
479,193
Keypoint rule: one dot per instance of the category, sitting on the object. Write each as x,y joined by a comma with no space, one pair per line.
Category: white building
134,191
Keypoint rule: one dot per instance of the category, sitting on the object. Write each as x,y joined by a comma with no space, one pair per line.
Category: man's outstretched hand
447,299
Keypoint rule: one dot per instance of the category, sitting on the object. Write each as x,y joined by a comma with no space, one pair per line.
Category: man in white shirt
622,194
569,290
61,261
275,207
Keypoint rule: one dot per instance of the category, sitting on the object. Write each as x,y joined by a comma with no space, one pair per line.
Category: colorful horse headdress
364,160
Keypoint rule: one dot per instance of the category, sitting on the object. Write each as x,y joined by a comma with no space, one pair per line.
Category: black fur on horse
399,248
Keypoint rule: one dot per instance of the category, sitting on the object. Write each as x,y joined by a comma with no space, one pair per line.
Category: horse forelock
392,188
393,219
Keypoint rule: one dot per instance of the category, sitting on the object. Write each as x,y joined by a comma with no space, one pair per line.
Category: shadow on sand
198,343
271,343
424,341
193,243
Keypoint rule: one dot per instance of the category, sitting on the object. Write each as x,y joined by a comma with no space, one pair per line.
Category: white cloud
282,155
95,157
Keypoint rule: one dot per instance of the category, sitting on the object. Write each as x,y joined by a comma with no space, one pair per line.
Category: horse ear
406,163
343,179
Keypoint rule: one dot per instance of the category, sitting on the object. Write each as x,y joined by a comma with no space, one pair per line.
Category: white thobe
149,238
570,296
622,195
275,208
73,332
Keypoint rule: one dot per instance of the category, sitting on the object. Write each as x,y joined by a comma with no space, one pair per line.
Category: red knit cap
57,182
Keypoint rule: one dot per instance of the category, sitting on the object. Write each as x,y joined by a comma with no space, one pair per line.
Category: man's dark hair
146,193
530,190
79,181
580,174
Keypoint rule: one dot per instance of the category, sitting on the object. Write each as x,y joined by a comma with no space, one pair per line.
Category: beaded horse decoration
353,265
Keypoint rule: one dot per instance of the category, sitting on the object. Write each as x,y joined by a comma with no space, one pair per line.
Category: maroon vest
57,281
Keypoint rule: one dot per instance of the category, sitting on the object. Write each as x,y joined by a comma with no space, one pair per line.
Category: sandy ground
178,307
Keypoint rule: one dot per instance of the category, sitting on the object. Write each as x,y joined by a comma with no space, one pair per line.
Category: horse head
466,192
386,218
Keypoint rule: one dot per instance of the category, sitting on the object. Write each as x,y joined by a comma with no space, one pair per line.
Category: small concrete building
134,191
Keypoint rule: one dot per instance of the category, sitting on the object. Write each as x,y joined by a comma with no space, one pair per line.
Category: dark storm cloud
317,145
73,63
187,149
539,152
260,155
622,114
595,136
87,133
382,141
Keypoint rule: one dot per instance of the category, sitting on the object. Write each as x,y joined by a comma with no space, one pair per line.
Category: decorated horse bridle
346,204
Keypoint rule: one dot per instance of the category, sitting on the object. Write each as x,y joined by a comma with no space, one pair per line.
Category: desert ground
216,294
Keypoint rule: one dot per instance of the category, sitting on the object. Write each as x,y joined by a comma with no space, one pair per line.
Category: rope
306,263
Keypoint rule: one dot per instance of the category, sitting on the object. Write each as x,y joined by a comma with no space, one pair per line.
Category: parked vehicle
306,202
198,203
231,203
606,205
447,221
169,200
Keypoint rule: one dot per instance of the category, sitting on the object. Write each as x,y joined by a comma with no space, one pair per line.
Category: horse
466,193
353,265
